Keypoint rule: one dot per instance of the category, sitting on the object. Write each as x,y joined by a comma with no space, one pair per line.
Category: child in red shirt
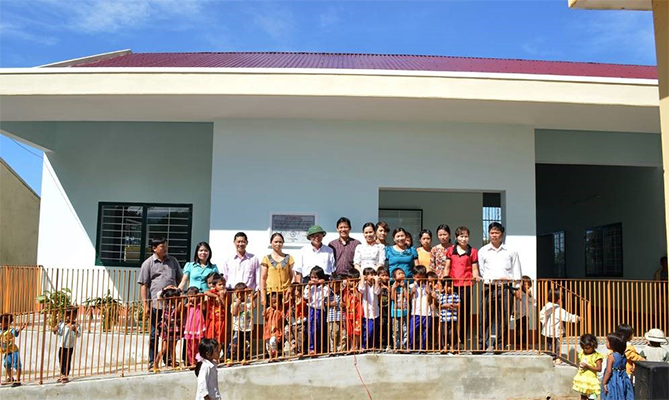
216,315
274,325
353,307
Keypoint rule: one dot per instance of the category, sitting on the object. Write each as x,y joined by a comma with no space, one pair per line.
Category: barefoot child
12,360
273,327
399,308
206,372
353,306
370,289
195,325
316,292
586,382
617,385
215,317
421,309
551,317
449,304
294,331
384,305
68,330
631,354
241,310
171,328
336,328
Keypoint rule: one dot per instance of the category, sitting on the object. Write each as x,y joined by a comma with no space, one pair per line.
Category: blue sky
35,32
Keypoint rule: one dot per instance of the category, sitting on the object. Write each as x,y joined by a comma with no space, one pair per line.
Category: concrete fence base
386,376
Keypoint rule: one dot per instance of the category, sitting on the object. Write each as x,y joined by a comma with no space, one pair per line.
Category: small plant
54,304
137,319
107,306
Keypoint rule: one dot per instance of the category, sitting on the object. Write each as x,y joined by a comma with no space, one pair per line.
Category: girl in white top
369,254
421,309
370,289
206,372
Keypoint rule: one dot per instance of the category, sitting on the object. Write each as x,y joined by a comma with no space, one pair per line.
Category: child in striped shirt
449,304
68,330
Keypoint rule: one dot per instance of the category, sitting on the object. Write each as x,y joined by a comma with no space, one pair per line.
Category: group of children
617,382
204,317
67,329
352,312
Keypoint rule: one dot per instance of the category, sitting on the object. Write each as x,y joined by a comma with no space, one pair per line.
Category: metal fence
309,320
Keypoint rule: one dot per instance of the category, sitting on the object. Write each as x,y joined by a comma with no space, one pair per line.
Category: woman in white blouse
369,253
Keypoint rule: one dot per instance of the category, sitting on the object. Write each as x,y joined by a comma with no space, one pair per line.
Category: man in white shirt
242,267
314,254
499,267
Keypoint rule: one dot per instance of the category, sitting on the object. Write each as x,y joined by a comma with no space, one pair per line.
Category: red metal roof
392,62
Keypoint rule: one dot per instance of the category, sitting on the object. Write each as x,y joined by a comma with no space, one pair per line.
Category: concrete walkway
386,376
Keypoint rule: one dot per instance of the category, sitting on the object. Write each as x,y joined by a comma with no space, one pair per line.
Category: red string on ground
355,364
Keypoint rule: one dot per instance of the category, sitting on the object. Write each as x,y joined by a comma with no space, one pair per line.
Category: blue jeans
315,322
369,331
418,325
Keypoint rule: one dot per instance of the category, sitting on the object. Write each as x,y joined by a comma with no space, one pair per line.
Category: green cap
314,230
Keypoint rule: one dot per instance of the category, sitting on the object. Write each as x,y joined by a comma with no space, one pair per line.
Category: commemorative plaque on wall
293,227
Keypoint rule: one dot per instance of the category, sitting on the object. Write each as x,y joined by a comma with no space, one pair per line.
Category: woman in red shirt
462,266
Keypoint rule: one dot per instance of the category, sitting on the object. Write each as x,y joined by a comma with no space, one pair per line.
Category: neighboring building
19,219
198,146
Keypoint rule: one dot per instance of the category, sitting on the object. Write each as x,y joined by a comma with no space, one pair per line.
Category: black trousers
465,325
65,357
494,317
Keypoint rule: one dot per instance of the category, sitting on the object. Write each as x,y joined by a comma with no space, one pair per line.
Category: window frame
585,244
143,243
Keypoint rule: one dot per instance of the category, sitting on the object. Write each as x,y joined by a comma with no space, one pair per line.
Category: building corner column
661,24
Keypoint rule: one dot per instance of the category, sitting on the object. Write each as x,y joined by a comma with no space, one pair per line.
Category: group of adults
496,264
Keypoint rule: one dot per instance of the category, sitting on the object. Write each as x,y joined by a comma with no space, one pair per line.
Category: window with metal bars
492,212
604,251
125,231
559,255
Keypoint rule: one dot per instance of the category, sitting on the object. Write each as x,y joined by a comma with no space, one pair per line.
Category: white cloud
629,32
100,16
8,29
540,47
329,18
278,23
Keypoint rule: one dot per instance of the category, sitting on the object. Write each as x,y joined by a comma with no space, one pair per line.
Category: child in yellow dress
586,381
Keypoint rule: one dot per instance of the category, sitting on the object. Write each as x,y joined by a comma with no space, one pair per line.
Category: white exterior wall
118,162
337,168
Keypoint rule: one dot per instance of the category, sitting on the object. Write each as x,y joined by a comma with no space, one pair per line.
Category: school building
198,146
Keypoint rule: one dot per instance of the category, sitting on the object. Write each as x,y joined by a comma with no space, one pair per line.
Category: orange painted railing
325,318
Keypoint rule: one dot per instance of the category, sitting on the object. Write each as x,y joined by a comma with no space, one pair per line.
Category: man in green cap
314,254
